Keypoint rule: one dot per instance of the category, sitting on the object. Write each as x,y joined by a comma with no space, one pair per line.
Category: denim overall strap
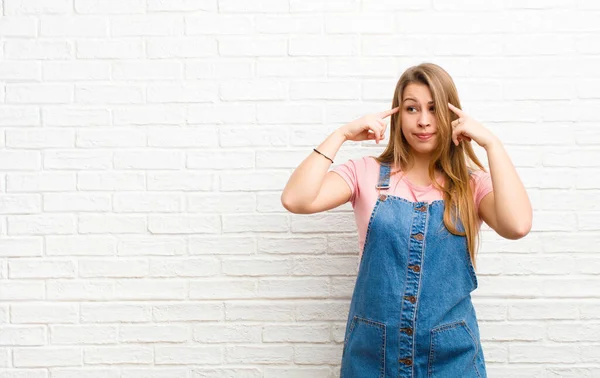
384,177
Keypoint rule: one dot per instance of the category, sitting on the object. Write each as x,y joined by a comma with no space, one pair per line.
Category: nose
425,119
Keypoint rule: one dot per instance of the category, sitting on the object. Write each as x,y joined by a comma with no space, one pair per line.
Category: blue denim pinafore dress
411,313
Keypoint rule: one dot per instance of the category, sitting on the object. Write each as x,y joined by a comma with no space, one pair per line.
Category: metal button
410,298
418,236
408,331
415,268
382,197
406,361
422,208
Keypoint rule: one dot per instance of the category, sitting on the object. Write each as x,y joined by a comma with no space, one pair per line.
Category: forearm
513,208
304,183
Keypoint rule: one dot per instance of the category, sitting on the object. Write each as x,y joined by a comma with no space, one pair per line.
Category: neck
420,165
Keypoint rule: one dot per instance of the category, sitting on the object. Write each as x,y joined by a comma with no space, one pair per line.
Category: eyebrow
410,98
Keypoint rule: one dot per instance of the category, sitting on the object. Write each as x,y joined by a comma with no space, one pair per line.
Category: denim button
383,197
410,298
406,361
408,331
415,268
422,208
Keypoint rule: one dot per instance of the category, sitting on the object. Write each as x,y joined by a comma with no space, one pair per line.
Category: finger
383,126
456,110
373,134
378,130
455,138
388,113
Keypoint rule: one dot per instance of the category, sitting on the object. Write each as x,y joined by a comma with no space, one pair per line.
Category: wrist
492,143
341,133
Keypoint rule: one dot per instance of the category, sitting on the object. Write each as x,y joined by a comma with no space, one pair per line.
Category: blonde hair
453,161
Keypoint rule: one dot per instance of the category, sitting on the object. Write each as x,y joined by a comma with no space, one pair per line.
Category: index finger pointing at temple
389,112
456,110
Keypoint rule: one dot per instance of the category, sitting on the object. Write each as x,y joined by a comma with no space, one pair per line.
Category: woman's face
419,125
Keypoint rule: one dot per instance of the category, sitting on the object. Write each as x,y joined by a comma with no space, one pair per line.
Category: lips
424,136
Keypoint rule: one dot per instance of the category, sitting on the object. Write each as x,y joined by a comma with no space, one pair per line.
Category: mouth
424,136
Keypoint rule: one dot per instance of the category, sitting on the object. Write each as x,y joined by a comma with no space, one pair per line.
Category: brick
21,247
117,268
108,94
20,71
19,7
55,313
115,313
259,354
233,333
183,312
47,357
20,204
78,27
112,223
188,267
77,334
137,354
145,25
18,26
73,290
40,138
43,224
34,50
40,269
22,336
75,71
189,47
188,355
71,202
318,333
154,245
103,7
110,181
181,5
80,245
107,49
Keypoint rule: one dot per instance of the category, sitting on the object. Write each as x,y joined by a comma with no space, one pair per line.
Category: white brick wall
144,145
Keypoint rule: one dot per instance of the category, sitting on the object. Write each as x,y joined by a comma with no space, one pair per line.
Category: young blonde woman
418,207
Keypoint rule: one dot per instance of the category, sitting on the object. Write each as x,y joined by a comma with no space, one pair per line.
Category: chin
423,151
424,148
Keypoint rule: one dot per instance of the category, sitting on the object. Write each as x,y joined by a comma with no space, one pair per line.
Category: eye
409,108
432,110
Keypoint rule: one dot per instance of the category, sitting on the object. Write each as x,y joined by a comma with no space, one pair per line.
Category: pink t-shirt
362,176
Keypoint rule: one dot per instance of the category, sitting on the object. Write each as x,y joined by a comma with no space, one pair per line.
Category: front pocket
364,350
452,352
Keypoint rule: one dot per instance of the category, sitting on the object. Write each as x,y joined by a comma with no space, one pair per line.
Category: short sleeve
482,186
349,173
353,172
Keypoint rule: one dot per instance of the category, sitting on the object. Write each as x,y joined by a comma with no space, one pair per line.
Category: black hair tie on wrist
328,158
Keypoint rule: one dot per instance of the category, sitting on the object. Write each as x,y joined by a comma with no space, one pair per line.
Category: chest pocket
364,349
453,352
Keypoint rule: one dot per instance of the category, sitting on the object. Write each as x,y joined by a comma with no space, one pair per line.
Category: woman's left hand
467,128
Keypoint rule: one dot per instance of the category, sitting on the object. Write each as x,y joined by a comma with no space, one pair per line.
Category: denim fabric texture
411,313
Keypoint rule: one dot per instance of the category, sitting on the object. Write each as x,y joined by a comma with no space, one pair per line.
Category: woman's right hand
370,126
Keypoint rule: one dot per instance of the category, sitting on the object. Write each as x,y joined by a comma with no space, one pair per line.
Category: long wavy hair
453,161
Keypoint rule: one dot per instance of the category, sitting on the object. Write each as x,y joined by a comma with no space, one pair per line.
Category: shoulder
359,174
478,176
481,182
364,163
